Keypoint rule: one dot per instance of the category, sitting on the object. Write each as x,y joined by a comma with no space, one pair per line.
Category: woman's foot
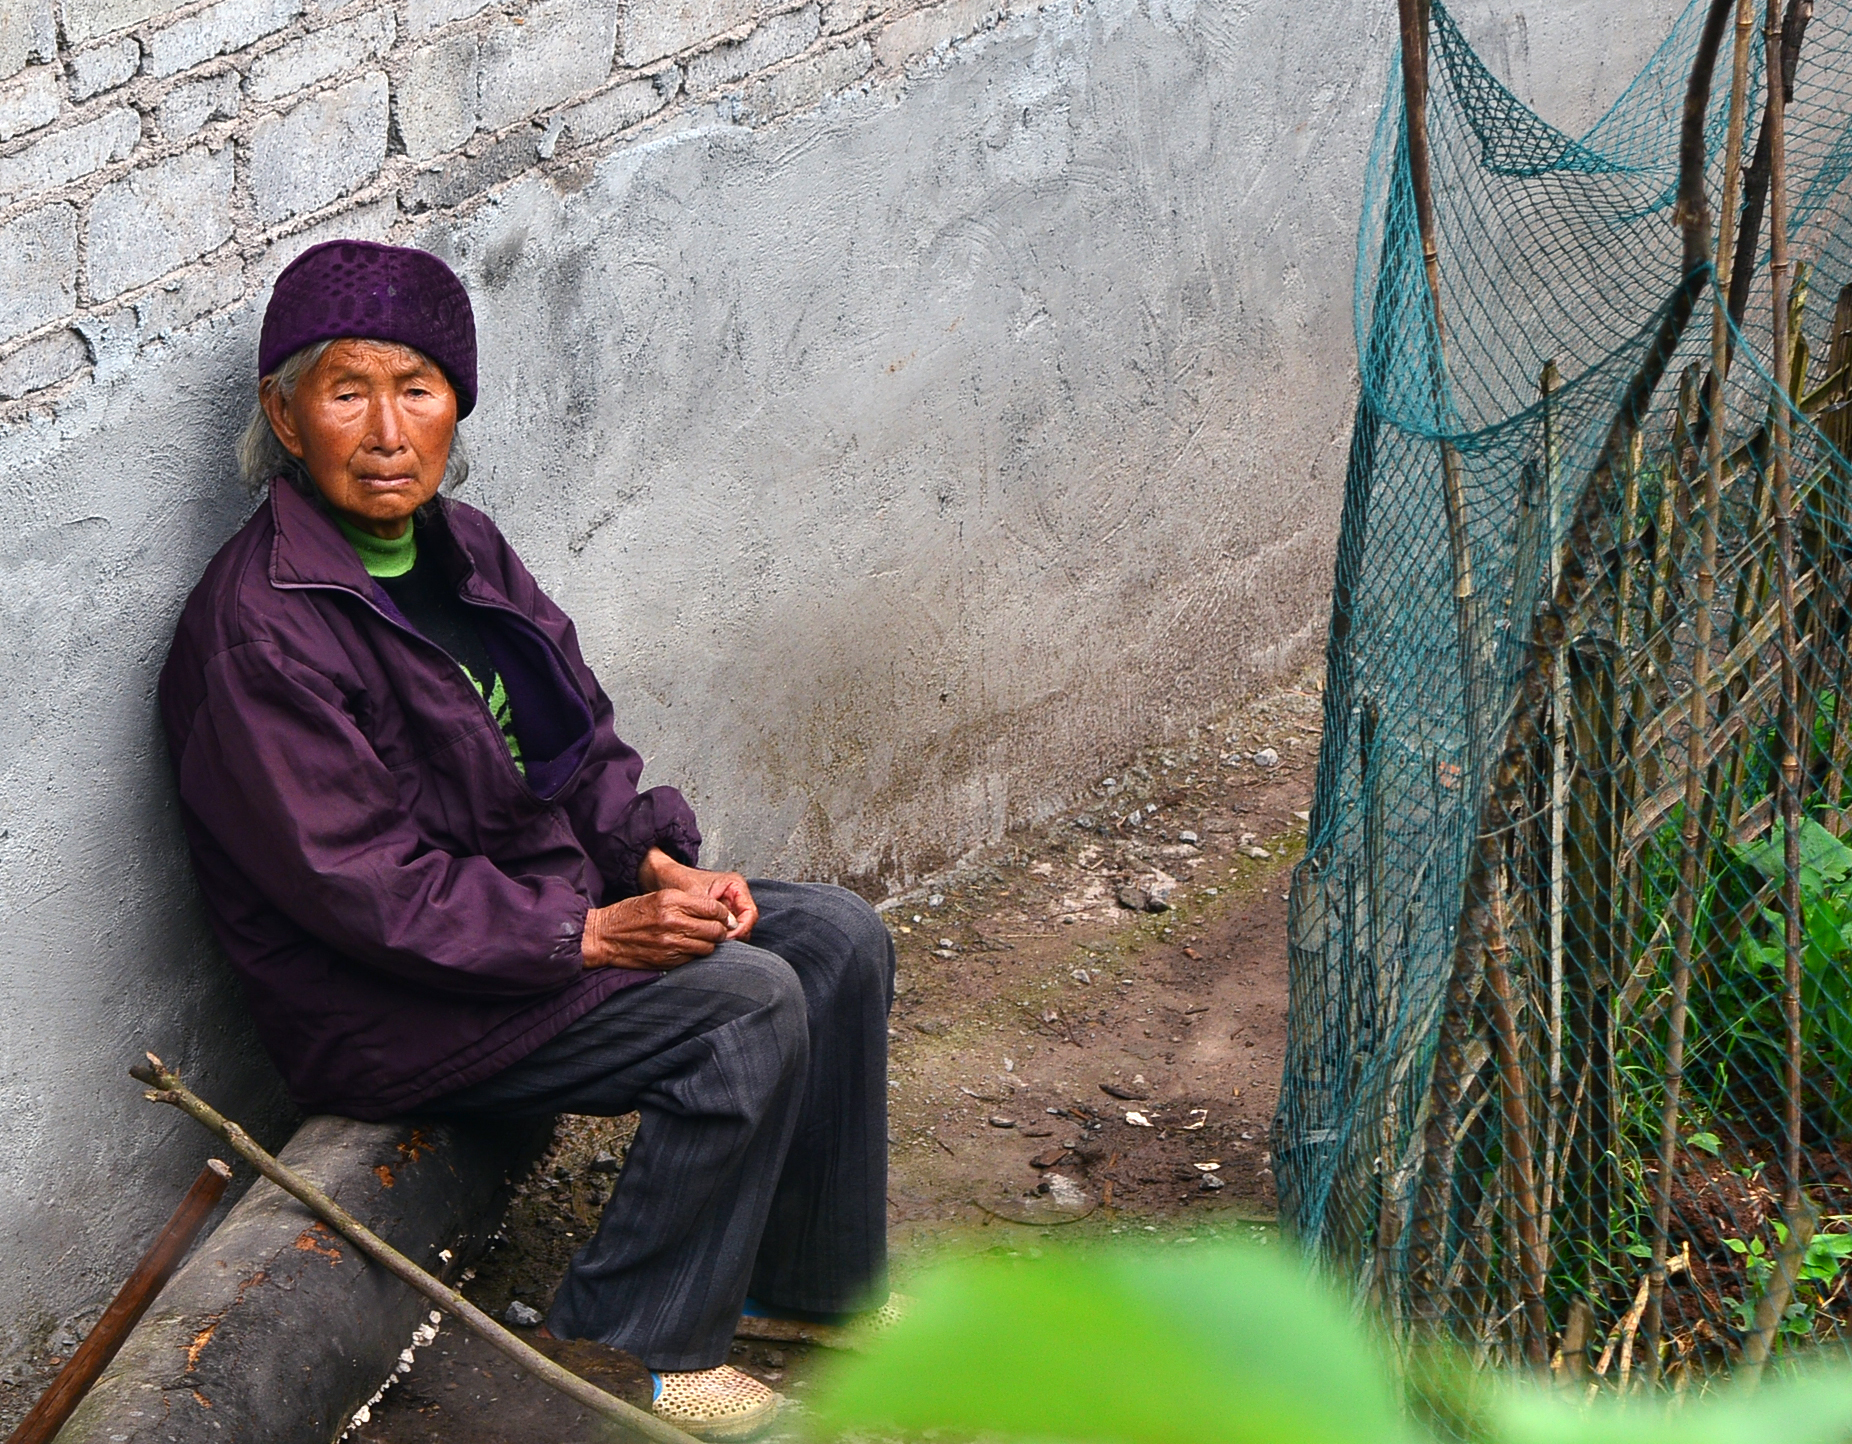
715,1404
832,1331
878,1321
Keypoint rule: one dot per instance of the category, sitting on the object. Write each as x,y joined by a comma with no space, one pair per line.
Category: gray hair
261,456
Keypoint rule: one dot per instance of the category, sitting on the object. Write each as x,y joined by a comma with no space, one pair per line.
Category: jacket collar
308,550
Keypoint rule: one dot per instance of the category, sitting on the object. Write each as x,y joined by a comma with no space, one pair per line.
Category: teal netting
1634,1153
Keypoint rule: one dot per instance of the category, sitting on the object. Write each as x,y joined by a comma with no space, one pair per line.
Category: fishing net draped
1514,938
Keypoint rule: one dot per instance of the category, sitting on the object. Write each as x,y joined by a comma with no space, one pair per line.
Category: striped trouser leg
759,1075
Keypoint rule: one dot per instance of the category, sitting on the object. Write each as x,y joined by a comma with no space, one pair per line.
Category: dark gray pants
760,1163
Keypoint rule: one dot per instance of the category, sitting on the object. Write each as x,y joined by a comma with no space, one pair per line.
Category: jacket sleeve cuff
569,951
661,818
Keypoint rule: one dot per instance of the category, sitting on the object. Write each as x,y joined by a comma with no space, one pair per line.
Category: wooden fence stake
125,1310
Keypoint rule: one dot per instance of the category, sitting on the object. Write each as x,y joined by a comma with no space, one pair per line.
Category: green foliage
1807,1409
1827,1255
1240,1346
1233,1346
1825,859
1739,1033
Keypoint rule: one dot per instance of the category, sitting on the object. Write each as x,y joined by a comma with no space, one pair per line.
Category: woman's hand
681,914
660,929
659,870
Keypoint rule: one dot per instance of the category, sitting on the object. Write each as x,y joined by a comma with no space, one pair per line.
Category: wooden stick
125,1310
1693,842
1776,1293
1571,1361
1515,1135
1559,796
1780,275
1503,798
1413,16
795,1331
167,1088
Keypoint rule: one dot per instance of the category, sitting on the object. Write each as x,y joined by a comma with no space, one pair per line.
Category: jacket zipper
481,701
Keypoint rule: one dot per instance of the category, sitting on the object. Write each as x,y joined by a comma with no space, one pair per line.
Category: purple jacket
404,908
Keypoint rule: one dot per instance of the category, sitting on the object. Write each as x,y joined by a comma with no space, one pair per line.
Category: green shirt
432,606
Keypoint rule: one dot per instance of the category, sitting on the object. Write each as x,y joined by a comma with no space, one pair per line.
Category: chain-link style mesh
1561,1079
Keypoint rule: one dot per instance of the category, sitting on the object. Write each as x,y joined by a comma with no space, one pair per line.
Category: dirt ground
1086,1041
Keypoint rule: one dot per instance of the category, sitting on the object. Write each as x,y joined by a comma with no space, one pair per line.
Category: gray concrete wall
915,407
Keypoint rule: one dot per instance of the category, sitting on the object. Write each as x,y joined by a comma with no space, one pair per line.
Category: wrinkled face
372,422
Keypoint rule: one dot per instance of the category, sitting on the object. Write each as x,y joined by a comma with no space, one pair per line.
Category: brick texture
563,50
771,40
27,32
87,19
28,101
321,54
194,104
229,25
139,137
104,67
319,151
616,110
654,29
434,106
67,155
157,218
926,30
38,268
42,362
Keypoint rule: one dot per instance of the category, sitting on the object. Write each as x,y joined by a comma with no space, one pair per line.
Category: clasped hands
681,913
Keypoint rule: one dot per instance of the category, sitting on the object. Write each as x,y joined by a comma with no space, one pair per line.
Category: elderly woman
422,845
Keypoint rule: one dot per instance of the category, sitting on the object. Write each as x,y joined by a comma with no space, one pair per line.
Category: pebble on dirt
1266,757
521,1316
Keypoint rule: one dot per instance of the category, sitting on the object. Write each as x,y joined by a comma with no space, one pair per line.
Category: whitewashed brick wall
160,163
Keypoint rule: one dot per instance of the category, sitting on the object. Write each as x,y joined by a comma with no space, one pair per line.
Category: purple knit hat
379,293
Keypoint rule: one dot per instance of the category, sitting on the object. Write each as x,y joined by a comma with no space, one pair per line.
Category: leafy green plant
1234,1346
1214,1346
1827,1257
1826,966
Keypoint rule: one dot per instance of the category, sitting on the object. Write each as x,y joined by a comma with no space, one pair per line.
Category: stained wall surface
915,407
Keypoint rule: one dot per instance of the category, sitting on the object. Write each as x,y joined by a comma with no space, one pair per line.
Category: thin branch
167,1088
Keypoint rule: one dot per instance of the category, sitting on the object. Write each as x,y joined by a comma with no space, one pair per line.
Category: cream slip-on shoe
715,1404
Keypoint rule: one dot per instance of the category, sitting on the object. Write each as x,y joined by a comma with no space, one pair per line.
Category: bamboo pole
1413,16
1776,1293
106,1338
1692,841
1515,1135
1504,793
1837,425
1780,277
1559,801
1756,180
166,1087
